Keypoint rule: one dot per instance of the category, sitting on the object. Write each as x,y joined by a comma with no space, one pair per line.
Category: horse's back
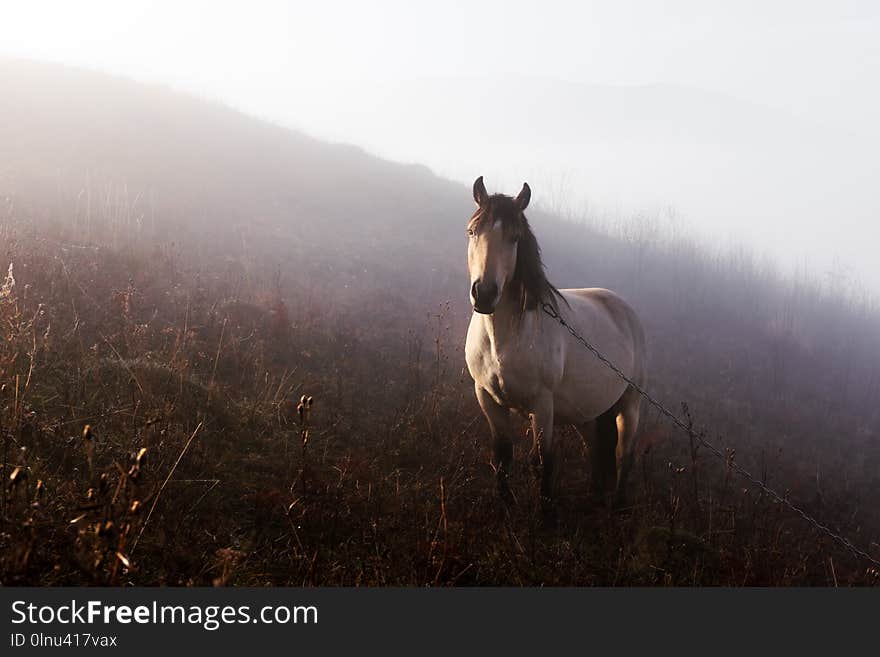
622,314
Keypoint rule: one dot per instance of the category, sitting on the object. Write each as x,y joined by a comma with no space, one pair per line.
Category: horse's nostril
483,294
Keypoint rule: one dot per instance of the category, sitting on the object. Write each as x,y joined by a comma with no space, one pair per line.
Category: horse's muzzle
484,296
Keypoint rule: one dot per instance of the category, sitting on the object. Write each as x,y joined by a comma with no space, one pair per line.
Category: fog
194,265
752,122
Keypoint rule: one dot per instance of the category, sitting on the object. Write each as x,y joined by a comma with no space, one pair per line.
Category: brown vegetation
390,484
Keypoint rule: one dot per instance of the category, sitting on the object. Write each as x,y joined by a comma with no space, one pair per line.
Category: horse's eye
470,232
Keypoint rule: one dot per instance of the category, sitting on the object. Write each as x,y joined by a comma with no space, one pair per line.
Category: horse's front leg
542,431
502,444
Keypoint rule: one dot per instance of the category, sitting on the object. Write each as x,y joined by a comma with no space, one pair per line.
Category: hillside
182,274
768,177
117,152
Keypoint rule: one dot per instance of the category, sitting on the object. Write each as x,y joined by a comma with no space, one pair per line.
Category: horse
522,360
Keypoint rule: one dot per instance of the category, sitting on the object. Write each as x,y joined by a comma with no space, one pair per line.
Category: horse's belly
578,411
585,400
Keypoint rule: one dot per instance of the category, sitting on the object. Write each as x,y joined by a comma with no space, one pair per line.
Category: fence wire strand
700,438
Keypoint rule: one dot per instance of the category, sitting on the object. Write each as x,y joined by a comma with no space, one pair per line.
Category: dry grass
233,437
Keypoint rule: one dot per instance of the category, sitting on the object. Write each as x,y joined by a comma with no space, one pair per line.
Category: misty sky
404,79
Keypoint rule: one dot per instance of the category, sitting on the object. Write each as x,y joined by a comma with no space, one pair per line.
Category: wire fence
699,436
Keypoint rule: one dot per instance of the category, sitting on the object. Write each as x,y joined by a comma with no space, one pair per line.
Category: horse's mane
529,279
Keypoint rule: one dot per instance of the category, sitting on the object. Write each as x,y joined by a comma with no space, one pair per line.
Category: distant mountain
64,130
90,152
789,186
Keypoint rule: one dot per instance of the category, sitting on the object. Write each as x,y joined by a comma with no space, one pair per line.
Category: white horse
522,359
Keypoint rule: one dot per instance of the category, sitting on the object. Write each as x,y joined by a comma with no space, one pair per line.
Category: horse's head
494,232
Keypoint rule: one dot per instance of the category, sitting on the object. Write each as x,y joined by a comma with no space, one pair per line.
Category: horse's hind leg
602,453
627,425
502,445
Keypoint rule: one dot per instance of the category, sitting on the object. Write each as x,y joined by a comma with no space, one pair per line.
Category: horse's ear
522,199
480,194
